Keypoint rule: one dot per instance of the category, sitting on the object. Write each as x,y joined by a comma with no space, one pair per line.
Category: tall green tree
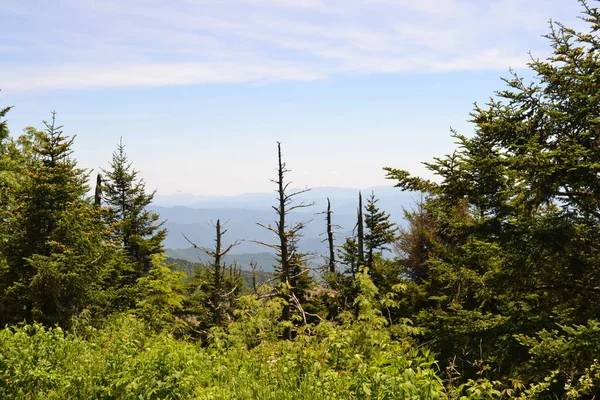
416,242
4,132
381,232
136,228
55,249
516,213
5,162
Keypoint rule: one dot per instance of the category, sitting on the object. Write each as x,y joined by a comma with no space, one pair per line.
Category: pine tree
5,162
380,231
416,242
3,128
136,228
55,251
516,213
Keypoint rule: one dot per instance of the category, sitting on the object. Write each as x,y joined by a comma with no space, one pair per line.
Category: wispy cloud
115,43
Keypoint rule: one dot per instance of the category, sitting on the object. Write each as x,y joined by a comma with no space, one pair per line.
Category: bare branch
272,246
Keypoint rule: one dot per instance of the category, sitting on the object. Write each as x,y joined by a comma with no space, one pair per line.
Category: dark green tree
4,132
416,243
136,228
55,250
516,211
380,231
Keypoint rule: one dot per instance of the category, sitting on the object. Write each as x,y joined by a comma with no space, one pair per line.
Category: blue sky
200,90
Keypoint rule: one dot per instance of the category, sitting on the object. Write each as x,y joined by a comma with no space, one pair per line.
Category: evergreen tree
4,132
516,214
5,163
416,243
380,231
161,296
56,249
136,228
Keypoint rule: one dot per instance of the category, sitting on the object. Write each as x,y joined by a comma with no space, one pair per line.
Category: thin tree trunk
217,277
330,238
283,242
360,232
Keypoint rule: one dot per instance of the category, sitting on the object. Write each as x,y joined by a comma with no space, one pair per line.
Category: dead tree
291,269
331,261
330,239
217,269
360,231
98,191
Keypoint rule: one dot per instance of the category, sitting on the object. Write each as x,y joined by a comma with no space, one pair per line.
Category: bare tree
220,292
98,191
292,270
360,232
330,232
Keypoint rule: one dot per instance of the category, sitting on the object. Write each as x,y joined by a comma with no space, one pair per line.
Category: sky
200,91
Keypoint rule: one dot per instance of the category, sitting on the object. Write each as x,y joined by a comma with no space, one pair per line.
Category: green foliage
3,125
380,231
498,269
246,360
505,244
53,248
136,228
161,295
564,361
201,291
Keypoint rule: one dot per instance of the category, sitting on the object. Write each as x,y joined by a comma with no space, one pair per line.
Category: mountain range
191,215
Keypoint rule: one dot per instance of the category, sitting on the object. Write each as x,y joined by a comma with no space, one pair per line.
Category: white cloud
115,43
143,75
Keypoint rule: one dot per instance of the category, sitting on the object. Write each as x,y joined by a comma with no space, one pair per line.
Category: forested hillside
489,289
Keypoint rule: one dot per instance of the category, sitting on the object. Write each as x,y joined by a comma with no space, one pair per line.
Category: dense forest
491,289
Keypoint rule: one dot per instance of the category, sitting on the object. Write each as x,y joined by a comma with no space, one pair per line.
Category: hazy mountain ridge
344,200
264,261
242,213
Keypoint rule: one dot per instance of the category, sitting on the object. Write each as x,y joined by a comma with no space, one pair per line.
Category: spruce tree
5,163
380,231
56,247
3,129
416,242
515,212
137,229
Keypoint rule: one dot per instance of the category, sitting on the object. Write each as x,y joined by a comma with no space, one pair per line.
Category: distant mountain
189,268
242,213
343,199
264,261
